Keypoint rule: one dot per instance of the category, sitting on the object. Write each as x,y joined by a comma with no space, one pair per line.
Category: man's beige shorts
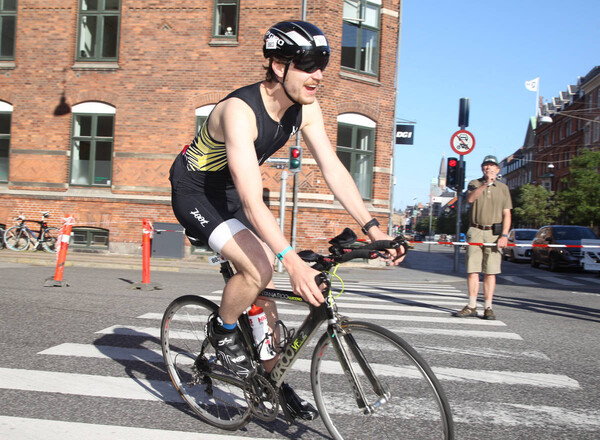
482,259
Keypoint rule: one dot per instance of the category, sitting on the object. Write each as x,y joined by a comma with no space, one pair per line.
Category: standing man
490,223
217,189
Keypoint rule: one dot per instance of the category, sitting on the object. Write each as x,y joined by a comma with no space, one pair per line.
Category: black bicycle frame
308,328
37,237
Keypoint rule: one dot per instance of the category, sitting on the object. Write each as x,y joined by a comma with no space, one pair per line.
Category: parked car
521,237
557,257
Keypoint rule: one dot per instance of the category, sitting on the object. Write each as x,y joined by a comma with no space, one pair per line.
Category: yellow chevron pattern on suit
206,154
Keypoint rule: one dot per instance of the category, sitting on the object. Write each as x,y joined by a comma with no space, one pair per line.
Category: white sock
488,304
472,302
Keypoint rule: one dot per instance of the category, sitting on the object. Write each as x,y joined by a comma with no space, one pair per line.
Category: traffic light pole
463,122
459,190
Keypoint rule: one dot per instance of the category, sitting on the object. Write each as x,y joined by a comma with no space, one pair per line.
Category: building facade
98,96
567,124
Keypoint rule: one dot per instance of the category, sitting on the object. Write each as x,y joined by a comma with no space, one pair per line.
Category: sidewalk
420,265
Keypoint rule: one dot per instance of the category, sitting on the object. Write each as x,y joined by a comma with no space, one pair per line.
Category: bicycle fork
341,339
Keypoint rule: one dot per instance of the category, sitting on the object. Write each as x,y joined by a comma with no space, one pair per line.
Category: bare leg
489,285
473,286
253,273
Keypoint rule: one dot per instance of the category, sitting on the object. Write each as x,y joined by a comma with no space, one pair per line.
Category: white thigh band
223,233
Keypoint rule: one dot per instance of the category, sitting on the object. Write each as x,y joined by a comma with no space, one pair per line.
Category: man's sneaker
229,348
466,312
488,314
298,408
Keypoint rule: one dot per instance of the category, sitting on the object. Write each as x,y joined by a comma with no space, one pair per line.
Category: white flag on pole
532,85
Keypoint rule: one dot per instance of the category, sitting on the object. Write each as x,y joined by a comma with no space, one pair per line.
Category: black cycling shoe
229,348
298,408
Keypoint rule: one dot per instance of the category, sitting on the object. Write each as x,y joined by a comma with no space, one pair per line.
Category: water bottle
261,332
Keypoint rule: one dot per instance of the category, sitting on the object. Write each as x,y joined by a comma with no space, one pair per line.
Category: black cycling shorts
206,204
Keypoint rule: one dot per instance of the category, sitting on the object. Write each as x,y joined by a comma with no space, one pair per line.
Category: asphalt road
530,374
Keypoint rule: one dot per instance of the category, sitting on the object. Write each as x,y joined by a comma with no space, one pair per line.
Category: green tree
581,200
536,206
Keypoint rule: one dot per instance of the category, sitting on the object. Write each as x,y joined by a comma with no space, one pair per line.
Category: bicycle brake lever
323,279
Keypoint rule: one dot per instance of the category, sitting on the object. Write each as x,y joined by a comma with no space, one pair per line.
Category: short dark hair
270,74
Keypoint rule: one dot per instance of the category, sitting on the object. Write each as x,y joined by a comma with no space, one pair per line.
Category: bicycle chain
261,398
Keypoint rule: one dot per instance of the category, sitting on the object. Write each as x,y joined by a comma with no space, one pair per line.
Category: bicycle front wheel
211,392
16,238
404,398
49,239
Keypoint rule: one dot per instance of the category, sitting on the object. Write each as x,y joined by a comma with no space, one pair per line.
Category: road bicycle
367,382
19,237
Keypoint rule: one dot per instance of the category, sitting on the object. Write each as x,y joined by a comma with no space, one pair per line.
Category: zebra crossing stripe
88,385
34,429
385,317
518,280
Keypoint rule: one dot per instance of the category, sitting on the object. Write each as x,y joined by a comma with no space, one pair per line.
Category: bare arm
336,175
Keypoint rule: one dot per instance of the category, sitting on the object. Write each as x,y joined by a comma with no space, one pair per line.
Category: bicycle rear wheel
212,393
49,239
16,238
414,405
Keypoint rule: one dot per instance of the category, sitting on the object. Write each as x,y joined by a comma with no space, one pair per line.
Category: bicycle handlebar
343,254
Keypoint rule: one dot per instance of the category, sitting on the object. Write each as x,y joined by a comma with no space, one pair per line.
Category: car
520,237
560,257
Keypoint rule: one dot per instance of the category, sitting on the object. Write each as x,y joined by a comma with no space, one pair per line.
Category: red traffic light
295,152
452,162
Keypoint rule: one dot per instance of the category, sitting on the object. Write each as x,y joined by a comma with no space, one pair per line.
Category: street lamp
551,174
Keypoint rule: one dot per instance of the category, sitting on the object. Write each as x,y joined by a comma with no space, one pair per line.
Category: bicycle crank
261,398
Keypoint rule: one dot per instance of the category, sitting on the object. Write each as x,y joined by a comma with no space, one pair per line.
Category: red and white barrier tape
464,243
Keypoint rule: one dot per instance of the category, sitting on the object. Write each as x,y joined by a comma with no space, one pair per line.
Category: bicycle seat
195,241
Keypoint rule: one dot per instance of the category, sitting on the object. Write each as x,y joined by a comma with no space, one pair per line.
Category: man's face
302,86
490,170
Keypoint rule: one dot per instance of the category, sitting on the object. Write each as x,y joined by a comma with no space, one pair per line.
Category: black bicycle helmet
300,42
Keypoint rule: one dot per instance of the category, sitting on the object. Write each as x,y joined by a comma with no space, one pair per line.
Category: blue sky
485,51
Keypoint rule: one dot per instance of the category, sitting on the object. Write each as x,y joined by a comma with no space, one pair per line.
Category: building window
8,27
360,35
5,119
89,238
587,135
202,115
596,125
92,144
98,38
226,18
355,148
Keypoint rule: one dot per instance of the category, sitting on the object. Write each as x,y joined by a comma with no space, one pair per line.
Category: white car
520,237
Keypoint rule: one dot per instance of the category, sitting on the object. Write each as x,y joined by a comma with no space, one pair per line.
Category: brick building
567,124
98,96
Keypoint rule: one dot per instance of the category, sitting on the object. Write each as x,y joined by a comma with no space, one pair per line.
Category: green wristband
281,254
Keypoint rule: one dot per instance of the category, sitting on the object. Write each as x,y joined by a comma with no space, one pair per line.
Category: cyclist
217,192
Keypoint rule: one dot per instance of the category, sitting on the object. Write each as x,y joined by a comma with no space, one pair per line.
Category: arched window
356,149
92,144
5,122
202,115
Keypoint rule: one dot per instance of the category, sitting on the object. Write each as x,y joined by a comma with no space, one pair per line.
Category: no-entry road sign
462,142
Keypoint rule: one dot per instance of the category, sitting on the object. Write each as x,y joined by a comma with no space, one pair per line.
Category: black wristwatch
369,225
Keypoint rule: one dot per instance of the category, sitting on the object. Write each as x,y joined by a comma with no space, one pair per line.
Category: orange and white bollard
147,232
63,246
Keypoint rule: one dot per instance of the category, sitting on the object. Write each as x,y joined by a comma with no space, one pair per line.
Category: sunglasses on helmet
312,62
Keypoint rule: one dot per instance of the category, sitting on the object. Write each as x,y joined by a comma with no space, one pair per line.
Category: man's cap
490,159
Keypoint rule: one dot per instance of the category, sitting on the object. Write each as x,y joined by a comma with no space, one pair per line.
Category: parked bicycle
367,382
20,237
